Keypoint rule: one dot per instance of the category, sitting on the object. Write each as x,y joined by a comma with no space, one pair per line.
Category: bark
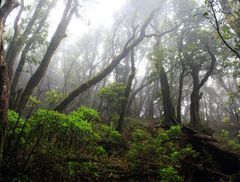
54,43
101,75
24,53
169,111
16,45
229,162
197,85
180,92
127,93
195,97
4,81
135,92
168,108
181,78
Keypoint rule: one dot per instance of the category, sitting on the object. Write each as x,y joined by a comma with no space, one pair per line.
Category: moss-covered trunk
8,6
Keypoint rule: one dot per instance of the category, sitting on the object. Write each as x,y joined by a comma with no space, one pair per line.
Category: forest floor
79,147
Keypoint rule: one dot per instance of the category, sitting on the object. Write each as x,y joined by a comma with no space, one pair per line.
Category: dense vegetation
148,92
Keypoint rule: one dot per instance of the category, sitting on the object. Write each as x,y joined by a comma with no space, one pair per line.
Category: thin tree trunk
100,76
25,52
180,92
16,45
55,41
127,93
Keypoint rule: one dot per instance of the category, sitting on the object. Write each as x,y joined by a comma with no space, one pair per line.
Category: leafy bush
14,120
108,133
17,126
229,142
160,147
170,174
113,96
86,113
64,129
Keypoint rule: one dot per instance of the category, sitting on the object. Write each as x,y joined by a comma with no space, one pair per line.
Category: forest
120,90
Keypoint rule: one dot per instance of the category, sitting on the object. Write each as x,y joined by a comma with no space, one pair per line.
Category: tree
101,75
18,41
127,93
70,9
158,57
5,10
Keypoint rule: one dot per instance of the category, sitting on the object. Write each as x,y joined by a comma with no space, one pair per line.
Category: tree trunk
197,85
195,97
16,45
127,93
4,92
169,111
180,92
101,75
55,41
25,51
4,79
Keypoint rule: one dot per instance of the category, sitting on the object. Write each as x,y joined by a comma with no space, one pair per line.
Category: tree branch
7,8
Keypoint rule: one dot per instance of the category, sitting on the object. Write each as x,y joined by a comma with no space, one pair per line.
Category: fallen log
228,161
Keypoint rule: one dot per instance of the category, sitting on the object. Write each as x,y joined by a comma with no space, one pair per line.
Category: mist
124,82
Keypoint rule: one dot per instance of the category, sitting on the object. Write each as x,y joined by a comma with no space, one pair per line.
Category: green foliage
87,114
17,124
65,129
229,142
170,174
160,147
89,168
33,101
53,97
74,145
157,57
113,96
108,133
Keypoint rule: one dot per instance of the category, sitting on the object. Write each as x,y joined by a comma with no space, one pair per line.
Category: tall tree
18,41
29,45
58,36
159,56
5,10
127,93
100,76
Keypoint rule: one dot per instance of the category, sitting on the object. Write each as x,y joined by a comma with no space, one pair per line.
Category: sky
99,13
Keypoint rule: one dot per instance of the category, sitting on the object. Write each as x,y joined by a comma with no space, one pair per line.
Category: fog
171,62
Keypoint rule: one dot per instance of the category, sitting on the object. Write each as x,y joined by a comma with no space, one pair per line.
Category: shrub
85,113
170,174
17,126
108,133
161,148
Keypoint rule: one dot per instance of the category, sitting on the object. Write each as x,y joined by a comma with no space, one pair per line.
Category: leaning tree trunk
4,79
55,42
17,44
31,41
101,75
